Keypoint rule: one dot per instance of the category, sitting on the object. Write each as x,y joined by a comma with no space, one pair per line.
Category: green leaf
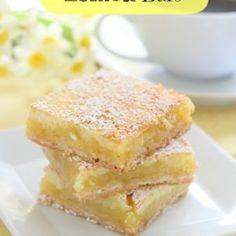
44,21
67,33
21,15
16,40
71,53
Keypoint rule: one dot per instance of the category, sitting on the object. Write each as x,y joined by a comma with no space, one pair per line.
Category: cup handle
98,26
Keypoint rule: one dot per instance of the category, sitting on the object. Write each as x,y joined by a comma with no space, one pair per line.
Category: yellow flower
77,67
4,36
49,40
37,60
3,72
85,42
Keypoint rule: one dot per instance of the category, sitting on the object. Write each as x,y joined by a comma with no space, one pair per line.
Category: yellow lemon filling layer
125,213
173,164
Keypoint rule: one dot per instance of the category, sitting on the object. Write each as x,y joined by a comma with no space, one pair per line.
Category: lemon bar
128,214
173,164
109,119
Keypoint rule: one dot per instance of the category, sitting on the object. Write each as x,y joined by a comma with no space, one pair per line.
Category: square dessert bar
109,119
173,164
128,214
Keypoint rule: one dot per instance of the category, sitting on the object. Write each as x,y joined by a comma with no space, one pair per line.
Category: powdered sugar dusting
176,146
82,165
141,194
116,106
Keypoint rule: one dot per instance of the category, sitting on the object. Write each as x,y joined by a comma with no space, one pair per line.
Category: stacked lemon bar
115,149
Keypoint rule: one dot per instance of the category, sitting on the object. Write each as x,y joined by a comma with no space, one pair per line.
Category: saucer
112,31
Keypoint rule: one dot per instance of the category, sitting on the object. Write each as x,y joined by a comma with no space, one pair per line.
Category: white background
23,4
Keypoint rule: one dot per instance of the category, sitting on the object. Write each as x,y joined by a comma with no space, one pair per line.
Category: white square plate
208,209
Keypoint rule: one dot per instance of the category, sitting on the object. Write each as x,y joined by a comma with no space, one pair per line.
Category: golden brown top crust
117,106
141,194
176,146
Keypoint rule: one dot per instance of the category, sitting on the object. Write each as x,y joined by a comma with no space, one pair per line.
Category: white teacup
201,46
